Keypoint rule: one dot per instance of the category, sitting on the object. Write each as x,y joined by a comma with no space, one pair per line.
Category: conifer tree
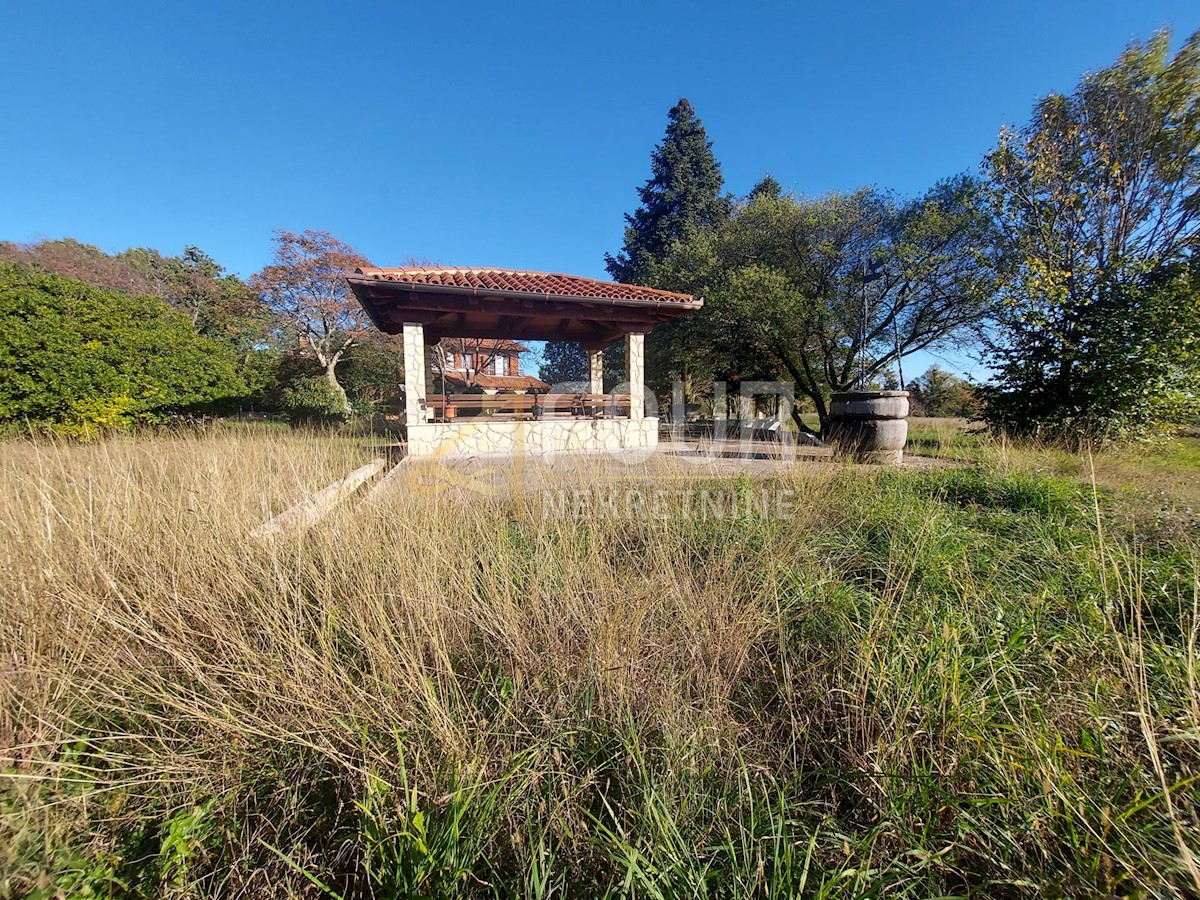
682,194
768,187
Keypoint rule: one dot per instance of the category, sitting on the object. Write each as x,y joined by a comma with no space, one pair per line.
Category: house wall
455,361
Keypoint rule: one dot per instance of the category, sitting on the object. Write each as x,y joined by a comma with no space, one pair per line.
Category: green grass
946,438
1172,457
957,682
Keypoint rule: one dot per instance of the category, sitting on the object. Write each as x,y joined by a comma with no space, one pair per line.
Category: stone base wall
446,439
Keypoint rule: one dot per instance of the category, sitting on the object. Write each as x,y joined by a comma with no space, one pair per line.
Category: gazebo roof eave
461,311
678,307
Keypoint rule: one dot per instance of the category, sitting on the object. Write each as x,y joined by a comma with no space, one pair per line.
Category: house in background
490,365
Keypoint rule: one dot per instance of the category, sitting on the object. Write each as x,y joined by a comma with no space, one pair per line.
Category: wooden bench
559,406
605,405
455,406
582,406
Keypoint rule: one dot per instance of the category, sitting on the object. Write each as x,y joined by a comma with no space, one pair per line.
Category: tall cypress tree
682,194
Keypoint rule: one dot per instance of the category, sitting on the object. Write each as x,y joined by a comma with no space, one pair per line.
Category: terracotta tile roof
508,280
495,382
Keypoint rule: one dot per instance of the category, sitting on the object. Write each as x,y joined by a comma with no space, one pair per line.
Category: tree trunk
335,385
804,429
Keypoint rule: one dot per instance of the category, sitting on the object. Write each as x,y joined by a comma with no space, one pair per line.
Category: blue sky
498,134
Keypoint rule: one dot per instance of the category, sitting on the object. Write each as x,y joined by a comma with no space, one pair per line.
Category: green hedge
82,358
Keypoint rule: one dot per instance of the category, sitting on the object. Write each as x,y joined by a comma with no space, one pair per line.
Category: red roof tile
508,280
495,382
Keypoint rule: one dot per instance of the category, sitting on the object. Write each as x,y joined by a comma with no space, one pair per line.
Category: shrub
312,401
82,358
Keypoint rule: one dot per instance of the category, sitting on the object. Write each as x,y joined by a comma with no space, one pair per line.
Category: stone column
635,373
596,369
414,373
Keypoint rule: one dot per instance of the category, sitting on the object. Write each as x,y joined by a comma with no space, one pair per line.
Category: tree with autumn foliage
1099,332
217,303
305,287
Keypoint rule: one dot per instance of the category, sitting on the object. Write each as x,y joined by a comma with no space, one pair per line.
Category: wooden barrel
869,426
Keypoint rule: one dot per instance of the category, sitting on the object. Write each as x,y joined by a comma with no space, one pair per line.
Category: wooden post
596,370
431,384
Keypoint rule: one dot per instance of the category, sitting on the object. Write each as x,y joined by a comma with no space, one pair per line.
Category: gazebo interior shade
506,303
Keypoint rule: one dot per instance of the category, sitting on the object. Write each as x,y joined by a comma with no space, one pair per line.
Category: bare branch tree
306,288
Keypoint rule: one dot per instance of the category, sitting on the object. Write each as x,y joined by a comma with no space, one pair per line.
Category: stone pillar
414,373
596,370
635,374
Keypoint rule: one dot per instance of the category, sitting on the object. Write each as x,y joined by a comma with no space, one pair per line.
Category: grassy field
962,681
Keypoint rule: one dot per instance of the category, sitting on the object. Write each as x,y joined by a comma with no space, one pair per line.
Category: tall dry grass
914,684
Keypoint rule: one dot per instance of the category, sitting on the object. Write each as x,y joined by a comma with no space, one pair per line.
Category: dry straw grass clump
911,684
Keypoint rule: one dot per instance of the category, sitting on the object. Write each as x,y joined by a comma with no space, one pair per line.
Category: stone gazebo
429,304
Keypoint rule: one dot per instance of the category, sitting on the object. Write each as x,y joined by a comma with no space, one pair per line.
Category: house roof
496,382
512,304
524,281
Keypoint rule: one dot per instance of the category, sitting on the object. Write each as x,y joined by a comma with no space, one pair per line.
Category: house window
468,361
499,365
